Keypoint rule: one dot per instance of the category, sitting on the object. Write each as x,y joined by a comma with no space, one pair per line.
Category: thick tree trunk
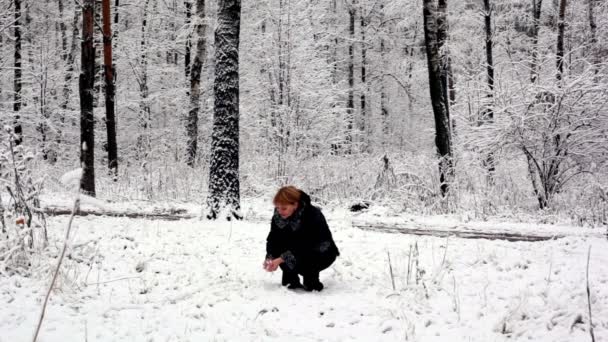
537,4
195,84
224,187
561,26
443,139
109,89
86,84
18,130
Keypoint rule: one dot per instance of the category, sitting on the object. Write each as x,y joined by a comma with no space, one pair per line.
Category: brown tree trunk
109,89
86,85
443,139
195,84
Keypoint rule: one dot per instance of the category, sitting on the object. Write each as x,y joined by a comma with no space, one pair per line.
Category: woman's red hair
287,195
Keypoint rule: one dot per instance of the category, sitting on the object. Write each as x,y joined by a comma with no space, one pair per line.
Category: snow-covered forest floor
190,280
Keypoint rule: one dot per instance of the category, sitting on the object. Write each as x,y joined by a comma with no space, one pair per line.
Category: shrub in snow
23,222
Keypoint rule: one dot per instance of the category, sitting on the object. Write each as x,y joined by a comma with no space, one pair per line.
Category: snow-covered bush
23,222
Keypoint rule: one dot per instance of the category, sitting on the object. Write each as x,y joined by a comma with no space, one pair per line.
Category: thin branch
56,273
589,298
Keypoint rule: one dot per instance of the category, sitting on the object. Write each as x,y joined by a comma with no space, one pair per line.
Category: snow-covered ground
190,280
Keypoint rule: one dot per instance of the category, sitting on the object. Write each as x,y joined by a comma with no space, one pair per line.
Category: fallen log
172,215
457,232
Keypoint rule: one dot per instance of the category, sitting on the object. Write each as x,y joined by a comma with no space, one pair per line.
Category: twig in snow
589,298
65,246
390,269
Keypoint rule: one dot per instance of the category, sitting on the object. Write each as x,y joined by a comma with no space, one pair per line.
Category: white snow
191,280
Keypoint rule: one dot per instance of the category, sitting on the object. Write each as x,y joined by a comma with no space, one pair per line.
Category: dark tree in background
224,187
17,76
86,84
488,113
109,89
434,42
195,85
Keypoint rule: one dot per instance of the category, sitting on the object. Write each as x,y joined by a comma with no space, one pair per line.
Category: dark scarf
293,222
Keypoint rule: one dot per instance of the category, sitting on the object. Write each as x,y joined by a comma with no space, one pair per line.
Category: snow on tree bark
195,84
17,76
443,139
109,89
224,187
86,86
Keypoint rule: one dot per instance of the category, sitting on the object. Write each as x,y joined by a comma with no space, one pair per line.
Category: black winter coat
306,234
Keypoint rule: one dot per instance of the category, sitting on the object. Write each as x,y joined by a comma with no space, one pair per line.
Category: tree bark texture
595,59
143,140
488,112
188,5
224,187
86,86
442,38
195,84
350,105
536,8
363,99
109,89
443,139
18,130
561,27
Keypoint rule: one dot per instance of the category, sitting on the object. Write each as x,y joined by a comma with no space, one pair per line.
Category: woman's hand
271,265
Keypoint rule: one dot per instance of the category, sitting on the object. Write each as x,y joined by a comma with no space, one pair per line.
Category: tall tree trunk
350,105
18,130
143,140
595,59
109,89
195,84
363,99
384,114
537,4
71,57
98,41
188,5
116,6
488,114
442,38
63,29
561,26
86,84
443,139
224,188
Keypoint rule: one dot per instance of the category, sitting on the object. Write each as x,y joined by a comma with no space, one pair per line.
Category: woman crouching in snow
299,241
